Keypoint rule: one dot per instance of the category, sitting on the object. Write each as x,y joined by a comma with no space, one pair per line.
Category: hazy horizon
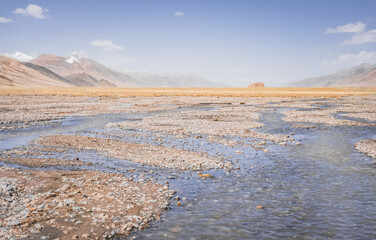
234,42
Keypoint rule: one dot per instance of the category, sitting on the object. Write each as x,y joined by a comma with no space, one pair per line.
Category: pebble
206,176
86,235
38,226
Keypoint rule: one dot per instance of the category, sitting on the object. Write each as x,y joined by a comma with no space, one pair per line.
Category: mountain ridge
363,75
19,56
75,64
86,80
76,70
15,73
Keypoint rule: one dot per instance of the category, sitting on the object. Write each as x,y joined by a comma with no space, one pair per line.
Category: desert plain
102,163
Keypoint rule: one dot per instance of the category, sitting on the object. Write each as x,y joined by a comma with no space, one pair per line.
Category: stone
38,226
257,85
202,175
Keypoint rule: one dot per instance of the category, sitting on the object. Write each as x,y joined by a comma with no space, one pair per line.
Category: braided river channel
320,188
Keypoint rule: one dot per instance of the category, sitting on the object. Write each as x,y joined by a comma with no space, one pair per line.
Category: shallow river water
321,189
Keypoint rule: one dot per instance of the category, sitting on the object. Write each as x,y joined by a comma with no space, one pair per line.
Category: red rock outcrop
256,85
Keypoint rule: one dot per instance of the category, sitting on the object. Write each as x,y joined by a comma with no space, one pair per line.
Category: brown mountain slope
363,75
14,73
4,81
367,80
76,64
86,80
105,83
68,66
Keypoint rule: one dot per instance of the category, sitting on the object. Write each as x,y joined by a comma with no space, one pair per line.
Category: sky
236,42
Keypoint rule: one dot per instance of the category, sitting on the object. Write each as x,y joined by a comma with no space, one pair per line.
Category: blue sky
236,42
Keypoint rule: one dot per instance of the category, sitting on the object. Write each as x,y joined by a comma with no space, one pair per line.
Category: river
321,189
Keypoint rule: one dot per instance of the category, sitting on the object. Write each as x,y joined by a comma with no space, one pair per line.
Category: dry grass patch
196,92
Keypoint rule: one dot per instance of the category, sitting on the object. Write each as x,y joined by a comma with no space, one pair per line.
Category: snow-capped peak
19,56
73,58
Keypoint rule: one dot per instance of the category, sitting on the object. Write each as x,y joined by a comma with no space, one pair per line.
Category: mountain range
19,69
363,75
19,56
15,73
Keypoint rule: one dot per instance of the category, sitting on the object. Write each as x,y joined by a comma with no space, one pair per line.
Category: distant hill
19,69
86,80
363,75
19,56
76,64
15,73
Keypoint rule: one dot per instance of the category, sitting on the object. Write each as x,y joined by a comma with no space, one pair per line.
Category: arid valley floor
93,163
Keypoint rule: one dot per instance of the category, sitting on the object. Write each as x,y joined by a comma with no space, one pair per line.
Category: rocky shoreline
76,205
141,153
367,146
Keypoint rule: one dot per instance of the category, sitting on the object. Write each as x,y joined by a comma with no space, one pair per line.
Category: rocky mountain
86,80
76,70
363,75
76,64
19,56
15,73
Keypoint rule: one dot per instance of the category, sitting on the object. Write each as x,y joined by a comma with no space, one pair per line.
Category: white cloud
348,28
32,10
106,44
361,38
178,14
353,59
5,20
